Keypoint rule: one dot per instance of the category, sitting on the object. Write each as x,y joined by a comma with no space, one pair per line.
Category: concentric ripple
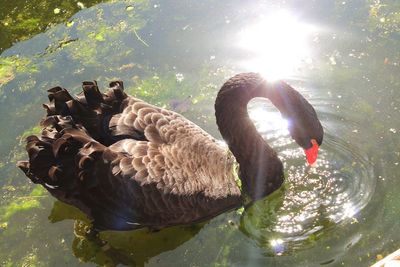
313,200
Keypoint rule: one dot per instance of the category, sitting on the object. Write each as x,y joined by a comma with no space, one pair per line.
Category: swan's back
177,154
128,164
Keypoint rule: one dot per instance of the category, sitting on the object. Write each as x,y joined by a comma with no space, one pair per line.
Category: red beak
312,153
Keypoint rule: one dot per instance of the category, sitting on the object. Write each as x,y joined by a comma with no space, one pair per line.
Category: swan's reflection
312,202
111,248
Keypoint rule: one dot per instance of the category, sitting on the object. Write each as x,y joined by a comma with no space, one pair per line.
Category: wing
184,175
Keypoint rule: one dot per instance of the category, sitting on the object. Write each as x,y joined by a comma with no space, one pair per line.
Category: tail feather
92,94
52,156
70,157
91,108
66,164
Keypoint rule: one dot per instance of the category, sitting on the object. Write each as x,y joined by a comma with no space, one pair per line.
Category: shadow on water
110,248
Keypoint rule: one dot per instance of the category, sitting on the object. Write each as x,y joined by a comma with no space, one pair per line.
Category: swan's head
303,123
308,133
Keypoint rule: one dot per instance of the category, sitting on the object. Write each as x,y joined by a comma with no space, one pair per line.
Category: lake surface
342,55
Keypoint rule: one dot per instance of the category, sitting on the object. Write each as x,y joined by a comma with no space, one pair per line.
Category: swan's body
128,164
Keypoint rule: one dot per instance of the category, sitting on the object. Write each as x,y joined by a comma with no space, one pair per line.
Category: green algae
6,73
384,17
62,211
21,204
12,65
18,152
132,248
100,37
31,260
222,259
192,96
201,102
21,20
35,130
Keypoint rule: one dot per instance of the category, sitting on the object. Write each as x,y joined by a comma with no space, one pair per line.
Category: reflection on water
176,55
278,43
271,124
314,199
134,248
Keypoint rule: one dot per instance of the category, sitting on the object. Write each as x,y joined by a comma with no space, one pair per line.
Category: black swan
127,164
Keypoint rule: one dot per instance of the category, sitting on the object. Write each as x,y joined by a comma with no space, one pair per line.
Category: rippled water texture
314,200
341,55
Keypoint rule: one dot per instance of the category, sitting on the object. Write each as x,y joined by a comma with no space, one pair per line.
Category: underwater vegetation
163,53
21,20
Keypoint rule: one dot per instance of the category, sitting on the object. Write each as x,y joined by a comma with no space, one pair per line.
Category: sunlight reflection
308,199
279,43
314,200
349,210
267,121
277,245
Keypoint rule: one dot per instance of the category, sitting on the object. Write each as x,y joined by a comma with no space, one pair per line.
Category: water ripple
314,200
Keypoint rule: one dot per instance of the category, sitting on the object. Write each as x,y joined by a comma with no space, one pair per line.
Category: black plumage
128,164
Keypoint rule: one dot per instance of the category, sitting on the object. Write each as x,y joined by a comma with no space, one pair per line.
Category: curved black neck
261,171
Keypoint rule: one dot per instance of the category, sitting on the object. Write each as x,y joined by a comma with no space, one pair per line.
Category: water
342,56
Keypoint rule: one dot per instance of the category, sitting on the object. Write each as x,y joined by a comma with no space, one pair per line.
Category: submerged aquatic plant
21,20
12,66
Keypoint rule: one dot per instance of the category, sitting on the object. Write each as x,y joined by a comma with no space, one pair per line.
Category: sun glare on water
268,121
277,43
